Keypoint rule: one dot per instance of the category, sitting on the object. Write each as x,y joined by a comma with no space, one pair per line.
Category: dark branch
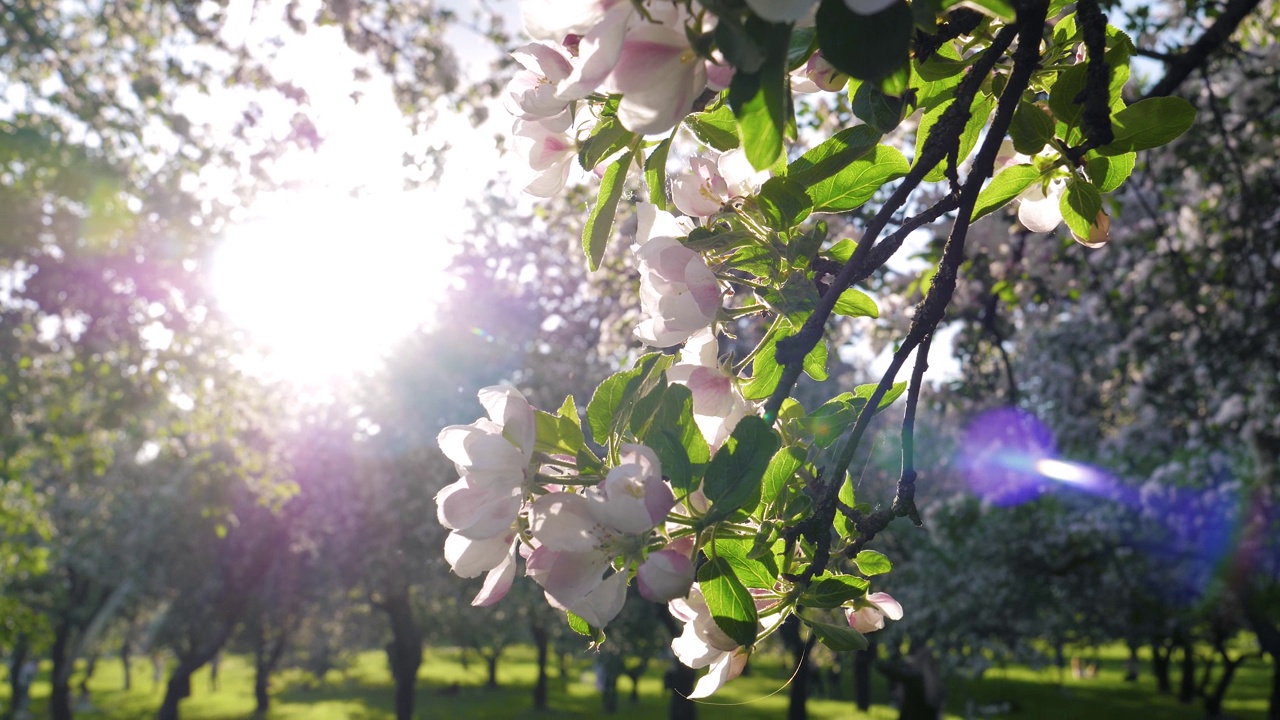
1182,65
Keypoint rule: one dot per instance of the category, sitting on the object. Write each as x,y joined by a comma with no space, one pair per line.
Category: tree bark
1131,667
126,657
60,694
797,708
1273,712
541,640
1161,655
18,690
491,662
404,652
178,688
1187,685
922,690
681,679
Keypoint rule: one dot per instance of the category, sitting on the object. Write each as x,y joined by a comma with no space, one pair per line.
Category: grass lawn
363,692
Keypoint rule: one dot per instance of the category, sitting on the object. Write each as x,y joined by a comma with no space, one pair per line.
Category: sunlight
328,284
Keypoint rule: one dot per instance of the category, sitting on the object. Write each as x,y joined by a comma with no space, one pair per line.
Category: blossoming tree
695,475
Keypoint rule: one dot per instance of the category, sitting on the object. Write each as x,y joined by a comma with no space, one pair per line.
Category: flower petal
564,522
498,581
603,603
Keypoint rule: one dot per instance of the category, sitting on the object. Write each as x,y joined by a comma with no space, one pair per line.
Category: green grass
363,692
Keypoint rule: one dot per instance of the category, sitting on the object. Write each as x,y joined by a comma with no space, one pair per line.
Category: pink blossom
531,93
579,535
818,74
665,575
659,77
868,614
678,292
704,644
717,404
701,192
549,154
554,19
1038,210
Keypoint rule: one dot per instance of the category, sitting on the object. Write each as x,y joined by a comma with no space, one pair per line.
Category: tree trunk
1132,666
541,640
178,689
1161,655
404,652
1187,685
1273,712
491,661
267,654
18,689
680,679
799,695
922,691
863,660
611,666
125,659
60,694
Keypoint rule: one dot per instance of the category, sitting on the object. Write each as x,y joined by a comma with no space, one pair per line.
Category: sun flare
327,285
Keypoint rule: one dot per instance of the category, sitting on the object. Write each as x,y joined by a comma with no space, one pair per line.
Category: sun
327,284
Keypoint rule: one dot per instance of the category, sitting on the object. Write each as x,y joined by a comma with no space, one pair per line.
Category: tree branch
1183,64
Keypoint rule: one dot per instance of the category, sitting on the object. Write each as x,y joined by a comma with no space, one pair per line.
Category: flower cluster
702,479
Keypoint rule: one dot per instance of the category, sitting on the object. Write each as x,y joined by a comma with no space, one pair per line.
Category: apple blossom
868,614
703,644
1038,209
531,93
665,575
678,292
578,536
717,404
549,154
817,74
554,19
701,192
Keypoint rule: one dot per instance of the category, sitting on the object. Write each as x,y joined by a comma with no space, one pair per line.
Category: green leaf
835,591
838,638
782,467
847,496
1149,123
1062,98
872,563
1004,187
1109,173
855,303
607,138
979,113
578,625
858,182
827,423
557,435
739,45
732,481
842,251
731,606
893,393
761,100
599,228
614,399
872,106
783,203
752,572
1080,205
833,154
1032,128
943,63
655,174
815,361
717,128
765,372
998,9
867,47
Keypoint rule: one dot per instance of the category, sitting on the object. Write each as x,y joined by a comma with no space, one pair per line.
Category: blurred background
255,254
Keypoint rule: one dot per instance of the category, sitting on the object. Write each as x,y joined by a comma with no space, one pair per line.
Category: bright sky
324,282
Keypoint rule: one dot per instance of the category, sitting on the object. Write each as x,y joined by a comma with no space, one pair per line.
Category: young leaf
1080,205
731,606
1004,187
1109,173
1032,128
871,563
783,203
607,138
855,303
833,154
733,477
893,393
599,227
1149,123
859,180
835,591
754,573
655,174
782,467
761,100
838,638
872,106
717,128
765,372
